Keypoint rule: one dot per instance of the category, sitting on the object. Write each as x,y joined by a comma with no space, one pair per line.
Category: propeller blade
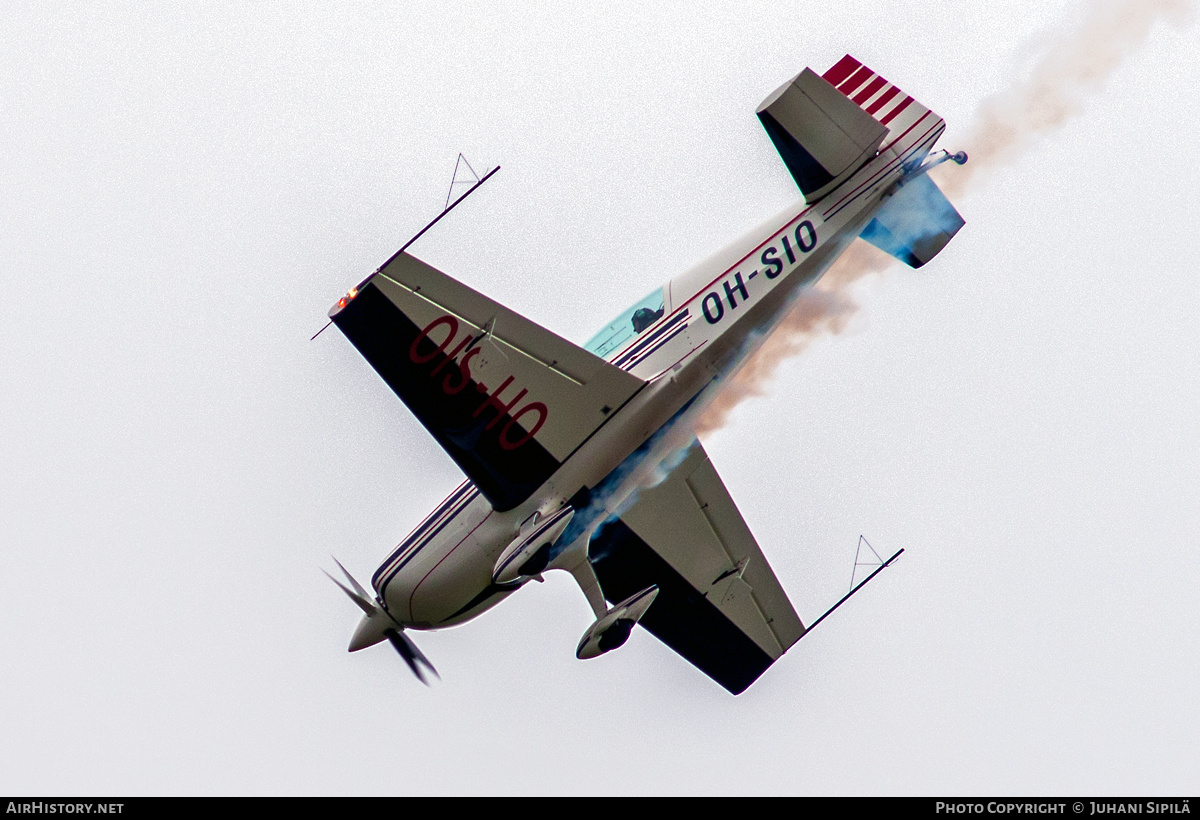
357,586
360,600
408,650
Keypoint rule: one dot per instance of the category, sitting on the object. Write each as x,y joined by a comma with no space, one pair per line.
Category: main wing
507,399
719,604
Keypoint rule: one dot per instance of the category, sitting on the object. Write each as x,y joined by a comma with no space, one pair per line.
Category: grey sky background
185,191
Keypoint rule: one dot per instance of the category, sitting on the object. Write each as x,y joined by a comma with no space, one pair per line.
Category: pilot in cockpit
644,317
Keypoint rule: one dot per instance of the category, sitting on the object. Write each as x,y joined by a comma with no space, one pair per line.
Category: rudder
875,95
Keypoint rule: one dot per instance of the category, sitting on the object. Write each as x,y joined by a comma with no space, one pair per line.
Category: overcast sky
186,190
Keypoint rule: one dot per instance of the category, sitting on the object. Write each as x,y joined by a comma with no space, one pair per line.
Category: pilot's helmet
644,317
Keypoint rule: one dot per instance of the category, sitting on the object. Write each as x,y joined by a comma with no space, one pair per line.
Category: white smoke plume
1071,67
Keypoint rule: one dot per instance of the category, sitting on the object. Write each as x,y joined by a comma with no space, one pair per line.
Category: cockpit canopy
626,327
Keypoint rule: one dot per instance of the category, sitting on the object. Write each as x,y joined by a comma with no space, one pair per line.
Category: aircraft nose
446,591
370,630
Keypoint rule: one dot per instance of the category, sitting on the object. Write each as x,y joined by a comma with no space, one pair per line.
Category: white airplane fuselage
713,317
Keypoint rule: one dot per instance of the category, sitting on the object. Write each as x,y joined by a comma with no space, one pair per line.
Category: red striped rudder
876,95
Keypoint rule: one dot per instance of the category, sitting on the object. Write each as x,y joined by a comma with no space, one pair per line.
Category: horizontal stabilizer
822,136
507,399
915,223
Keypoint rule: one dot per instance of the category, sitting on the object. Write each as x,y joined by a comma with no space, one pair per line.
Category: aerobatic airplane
584,458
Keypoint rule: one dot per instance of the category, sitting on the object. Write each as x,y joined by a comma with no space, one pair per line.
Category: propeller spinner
377,625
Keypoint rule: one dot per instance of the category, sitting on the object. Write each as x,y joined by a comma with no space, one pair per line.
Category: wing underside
507,399
719,603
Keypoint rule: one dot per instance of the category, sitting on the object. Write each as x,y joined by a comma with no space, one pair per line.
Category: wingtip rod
421,232
846,597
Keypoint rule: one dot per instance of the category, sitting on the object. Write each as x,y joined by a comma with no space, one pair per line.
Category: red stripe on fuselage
441,513
907,153
885,169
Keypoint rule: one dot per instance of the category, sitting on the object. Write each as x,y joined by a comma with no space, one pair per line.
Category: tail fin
826,127
917,220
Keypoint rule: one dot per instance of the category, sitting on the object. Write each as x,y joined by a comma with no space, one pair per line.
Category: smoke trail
823,309
1074,68
1071,67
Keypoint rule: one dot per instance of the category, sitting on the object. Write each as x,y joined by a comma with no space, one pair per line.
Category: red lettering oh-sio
414,354
493,400
532,407
463,373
